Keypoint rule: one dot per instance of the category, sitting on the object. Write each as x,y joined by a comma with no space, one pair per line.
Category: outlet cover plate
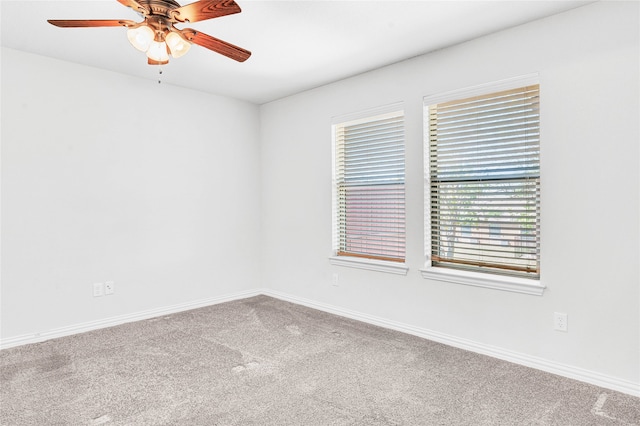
560,320
335,279
98,289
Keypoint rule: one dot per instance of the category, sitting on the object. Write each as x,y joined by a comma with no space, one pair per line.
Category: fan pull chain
159,75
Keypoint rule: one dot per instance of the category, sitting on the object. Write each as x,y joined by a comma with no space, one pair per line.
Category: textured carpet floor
262,361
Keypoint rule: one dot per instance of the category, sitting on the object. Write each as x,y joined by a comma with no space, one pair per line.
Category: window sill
496,282
370,264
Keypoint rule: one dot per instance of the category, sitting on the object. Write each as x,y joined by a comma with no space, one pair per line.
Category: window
482,171
369,194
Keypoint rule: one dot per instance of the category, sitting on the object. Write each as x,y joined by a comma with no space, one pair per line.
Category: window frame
486,279
355,261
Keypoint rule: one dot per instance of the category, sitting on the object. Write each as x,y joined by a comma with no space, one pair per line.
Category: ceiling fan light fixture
140,37
158,51
177,44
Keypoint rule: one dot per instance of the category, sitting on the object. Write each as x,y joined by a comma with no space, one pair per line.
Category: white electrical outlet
98,289
560,321
109,287
335,279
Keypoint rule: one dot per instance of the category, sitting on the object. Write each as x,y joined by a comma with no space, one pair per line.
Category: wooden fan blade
152,62
205,9
135,6
84,23
227,49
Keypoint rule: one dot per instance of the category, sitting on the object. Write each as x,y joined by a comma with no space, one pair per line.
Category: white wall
587,60
109,177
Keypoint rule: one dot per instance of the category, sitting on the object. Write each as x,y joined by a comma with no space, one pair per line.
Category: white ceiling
296,45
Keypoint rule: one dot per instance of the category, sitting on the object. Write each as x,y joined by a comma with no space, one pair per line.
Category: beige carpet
262,361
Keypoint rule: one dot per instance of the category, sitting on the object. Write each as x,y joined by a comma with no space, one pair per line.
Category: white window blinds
369,185
484,182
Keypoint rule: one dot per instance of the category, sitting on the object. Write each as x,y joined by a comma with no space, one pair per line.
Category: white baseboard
564,370
553,367
122,319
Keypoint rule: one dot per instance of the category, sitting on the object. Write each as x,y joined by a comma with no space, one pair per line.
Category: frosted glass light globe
140,37
158,51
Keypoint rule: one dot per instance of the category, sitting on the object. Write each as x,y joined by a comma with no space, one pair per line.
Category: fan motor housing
160,7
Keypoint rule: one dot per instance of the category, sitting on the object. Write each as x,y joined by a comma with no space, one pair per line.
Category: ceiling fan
158,37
